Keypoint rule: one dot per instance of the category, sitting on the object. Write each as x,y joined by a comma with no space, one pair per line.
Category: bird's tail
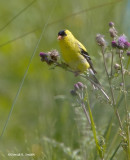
96,84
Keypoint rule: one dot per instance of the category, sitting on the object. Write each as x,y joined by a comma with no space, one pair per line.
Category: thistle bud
80,85
128,53
111,24
114,44
121,84
73,93
117,66
76,87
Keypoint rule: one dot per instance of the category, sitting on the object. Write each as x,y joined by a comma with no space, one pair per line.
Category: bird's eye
62,33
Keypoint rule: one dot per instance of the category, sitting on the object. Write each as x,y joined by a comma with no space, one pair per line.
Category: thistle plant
118,47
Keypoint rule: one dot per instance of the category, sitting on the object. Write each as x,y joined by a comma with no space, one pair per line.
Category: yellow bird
76,56
74,53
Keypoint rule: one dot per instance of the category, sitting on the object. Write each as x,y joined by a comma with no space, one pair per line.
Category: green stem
84,109
115,152
112,62
86,113
128,63
126,106
101,154
112,94
109,80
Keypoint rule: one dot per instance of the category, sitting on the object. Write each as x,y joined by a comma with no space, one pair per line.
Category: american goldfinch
73,52
76,56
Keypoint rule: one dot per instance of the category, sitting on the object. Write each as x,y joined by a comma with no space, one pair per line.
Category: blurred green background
44,106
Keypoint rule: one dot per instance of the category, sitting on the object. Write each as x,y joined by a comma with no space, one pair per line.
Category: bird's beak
59,37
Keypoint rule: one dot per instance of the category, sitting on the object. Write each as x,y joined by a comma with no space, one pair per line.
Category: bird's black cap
62,33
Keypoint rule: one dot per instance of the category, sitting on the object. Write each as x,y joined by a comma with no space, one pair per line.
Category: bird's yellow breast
70,53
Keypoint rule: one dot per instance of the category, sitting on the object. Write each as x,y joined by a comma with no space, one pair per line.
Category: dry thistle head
50,57
113,32
54,55
100,40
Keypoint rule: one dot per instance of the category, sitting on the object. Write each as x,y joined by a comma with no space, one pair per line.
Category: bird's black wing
87,57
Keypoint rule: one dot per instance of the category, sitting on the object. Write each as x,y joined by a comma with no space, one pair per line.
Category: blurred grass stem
126,106
112,61
18,14
26,71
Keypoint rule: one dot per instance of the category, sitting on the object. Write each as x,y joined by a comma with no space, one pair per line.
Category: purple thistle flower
122,40
43,56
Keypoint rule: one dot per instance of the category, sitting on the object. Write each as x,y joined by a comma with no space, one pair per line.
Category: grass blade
22,82
19,13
